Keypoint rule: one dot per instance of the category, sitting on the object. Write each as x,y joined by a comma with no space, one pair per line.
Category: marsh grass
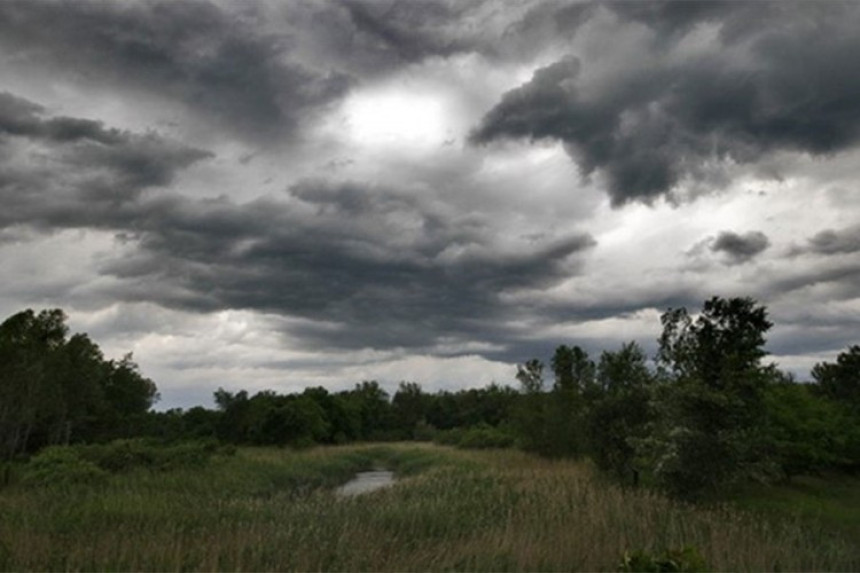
496,510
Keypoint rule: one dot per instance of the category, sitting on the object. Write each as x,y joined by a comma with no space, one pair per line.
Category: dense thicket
705,413
708,414
57,390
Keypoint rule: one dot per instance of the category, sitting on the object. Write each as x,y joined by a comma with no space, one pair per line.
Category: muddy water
365,482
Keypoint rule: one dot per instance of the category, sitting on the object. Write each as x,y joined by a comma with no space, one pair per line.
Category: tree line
56,389
705,413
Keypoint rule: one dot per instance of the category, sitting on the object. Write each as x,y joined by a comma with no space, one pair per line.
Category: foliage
620,411
687,559
274,509
92,463
710,410
477,437
55,390
61,465
809,432
840,381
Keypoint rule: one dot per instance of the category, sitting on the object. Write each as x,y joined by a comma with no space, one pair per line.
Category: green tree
30,385
529,413
54,390
809,432
410,407
374,410
620,412
574,386
710,412
840,381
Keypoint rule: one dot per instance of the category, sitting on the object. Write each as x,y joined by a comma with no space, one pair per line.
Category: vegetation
57,390
89,469
275,509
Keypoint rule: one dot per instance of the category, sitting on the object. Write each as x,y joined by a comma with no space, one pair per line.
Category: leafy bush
450,437
124,455
485,436
478,437
61,465
684,560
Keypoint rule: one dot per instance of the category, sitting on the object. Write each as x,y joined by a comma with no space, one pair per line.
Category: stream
365,482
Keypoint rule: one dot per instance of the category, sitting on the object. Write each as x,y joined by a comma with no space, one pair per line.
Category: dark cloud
368,267
787,86
215,63
740,248
68,172
408,31
832,242
373,37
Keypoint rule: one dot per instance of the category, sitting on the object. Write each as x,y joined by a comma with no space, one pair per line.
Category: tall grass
452,509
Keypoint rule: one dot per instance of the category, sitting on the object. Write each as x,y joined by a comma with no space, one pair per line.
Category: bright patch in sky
395,118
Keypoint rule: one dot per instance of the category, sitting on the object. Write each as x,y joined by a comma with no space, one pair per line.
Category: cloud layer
279,194
755,91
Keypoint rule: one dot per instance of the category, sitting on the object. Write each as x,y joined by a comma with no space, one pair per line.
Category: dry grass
498,510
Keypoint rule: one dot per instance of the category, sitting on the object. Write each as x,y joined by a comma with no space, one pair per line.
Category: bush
450,437
478,437
684,560
124,455
485,436
61,465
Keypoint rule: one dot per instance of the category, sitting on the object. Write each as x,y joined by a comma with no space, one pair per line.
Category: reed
498,510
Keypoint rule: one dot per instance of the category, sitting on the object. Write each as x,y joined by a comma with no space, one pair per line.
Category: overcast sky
271,195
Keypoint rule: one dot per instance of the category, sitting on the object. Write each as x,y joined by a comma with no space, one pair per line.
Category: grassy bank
488,510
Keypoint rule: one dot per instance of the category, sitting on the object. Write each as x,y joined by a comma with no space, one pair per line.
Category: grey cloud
69,172
360,282
194,52
369,266
649,131
373,37
740,248
832,242
408,31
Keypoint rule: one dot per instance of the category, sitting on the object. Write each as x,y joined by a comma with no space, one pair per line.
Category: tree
374,410
711,410
840,381
808,431
530,420
619,414
724,344
30,384
54,390
574,385
530,376
410,407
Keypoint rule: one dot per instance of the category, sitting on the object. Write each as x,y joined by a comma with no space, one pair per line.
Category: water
365,482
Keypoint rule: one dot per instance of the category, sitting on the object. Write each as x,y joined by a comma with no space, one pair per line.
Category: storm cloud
836,241
282,194
72,172
369,267
777,86
216,63
740,248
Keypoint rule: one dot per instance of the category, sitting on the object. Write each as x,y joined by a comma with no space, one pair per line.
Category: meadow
490,510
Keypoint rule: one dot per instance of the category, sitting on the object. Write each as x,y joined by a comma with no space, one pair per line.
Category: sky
274,195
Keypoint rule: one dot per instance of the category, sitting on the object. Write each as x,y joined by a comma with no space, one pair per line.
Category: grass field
451,510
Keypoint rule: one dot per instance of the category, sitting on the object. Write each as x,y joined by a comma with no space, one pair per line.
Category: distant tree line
710,413
705,413
56,389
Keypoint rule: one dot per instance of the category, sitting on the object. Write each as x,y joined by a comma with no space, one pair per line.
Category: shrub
485,436
125,455
61,465
683,560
